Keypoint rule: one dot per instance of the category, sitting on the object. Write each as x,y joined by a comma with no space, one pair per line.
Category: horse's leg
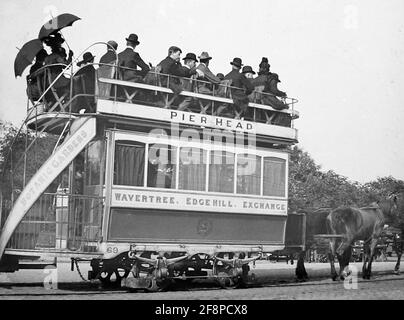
331,257
345,263
365,259
300,271
372,254
398,248
343,260
397,267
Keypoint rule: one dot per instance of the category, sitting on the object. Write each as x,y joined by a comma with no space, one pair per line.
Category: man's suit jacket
131,59
170,66
207,74
239,80
108,57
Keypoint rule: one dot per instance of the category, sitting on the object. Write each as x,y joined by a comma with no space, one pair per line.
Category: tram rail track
95,290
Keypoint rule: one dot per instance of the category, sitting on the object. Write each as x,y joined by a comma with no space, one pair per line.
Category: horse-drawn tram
148,192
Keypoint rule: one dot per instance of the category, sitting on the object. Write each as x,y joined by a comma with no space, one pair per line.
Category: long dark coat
240,97
131,59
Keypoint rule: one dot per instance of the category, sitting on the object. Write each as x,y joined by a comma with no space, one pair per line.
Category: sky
342,59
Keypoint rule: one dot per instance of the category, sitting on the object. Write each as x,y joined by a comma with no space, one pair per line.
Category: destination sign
195,202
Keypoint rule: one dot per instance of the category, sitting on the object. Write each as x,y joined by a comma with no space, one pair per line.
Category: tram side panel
169,216
152,225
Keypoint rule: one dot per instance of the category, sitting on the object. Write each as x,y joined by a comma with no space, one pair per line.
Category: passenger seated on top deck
131,59
205,75
171,65
107,69
220,76
209,83
109,57
249,74
190,61
238,80
35,80
269,82
58,56
84,83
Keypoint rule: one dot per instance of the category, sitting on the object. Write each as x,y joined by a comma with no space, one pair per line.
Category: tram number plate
112,249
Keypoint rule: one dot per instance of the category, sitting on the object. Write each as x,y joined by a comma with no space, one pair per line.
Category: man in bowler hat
269,81
190,61
129,58
84,82
109,57
245,88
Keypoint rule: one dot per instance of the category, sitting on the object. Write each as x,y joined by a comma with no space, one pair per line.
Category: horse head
389,207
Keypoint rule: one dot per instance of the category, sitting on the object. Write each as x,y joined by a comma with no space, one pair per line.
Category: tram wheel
113,279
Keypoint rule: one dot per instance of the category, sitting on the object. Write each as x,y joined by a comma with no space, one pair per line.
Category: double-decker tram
148,192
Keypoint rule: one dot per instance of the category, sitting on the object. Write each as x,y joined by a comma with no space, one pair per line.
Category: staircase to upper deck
82,131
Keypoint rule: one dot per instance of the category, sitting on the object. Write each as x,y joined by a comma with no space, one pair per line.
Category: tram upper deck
151,103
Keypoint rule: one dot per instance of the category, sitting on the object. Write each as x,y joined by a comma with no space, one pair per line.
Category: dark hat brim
130,40
249,71
190,58
236,64
208,58
85,61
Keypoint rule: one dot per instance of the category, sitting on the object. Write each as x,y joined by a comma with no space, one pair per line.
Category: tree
12,161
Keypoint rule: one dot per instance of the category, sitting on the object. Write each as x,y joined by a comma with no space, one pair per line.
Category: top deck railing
71,93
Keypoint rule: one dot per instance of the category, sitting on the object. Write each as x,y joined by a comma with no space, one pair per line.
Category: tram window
248,174
221,172
192,169
161,170
129,163
274,177
93,163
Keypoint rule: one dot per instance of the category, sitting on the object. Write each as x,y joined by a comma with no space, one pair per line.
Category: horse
354,224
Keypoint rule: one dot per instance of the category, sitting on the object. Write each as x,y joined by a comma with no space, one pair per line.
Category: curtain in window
221,172
129,165
192,169
162,167
274,177
93,163
248,174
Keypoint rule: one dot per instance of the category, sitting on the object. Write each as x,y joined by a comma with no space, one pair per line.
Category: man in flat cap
129,58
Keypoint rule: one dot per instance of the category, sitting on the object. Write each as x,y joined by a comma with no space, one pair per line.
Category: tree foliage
316,192
13,144
309,187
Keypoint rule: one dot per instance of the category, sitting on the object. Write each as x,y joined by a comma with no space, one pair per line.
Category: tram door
75,205
85,212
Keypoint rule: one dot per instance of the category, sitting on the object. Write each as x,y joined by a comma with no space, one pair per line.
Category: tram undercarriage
153,272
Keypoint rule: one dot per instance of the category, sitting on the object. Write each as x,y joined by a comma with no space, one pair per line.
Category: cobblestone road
383,285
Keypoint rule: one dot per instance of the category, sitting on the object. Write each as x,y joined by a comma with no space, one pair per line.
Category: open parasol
26,56
56,24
